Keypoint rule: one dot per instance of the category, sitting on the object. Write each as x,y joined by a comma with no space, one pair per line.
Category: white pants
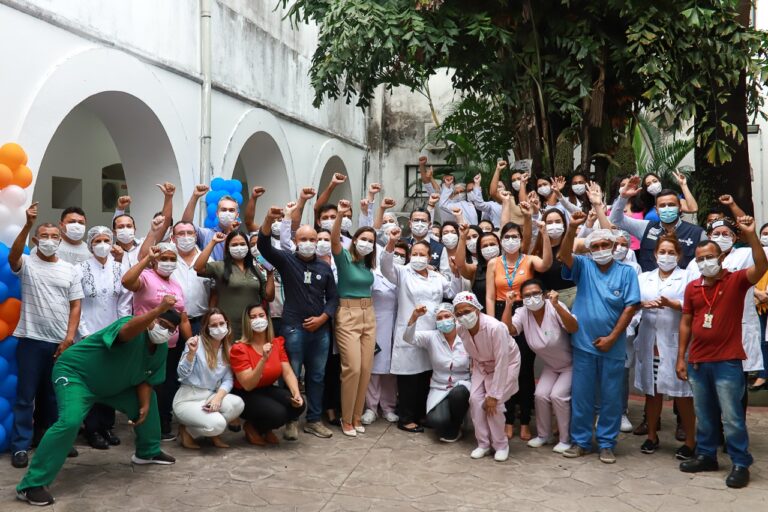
188,408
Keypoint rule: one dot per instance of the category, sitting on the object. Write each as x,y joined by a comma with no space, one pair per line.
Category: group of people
248,326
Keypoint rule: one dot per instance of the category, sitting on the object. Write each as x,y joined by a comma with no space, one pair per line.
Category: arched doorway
110,144
261,163
333,165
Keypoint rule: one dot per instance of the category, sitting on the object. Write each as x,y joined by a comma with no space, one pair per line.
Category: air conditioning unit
435,148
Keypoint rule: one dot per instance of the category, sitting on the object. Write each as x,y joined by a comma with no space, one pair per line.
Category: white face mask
48,247
555,230
259,324
327,224
323,248
516,185
620,253
227,218
534,302
276,229
724,241
709,267
364,247
764,240
238,252
490,252
75,231
419,228
654,188
186,243
159,334
125,235
544,191
399,260
602,257
450,240
472,245
218,333
254,251
579,189
166,268
468,321
666,262
101,250
346,224
510,245
306,249
419,263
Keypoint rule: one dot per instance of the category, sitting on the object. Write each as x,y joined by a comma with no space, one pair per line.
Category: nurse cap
466,298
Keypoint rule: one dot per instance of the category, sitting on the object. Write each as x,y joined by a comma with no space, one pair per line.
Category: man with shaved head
310,303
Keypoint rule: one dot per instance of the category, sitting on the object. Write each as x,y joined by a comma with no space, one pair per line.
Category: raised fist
200,190
123,202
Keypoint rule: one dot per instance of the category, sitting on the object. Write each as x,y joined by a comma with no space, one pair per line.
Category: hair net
599,234
466,298
167,247
445,306
98,231
720,223
620,233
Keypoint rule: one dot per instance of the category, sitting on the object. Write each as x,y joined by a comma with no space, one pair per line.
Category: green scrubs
99,369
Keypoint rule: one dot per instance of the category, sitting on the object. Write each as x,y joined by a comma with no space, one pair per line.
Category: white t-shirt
46,290
73,254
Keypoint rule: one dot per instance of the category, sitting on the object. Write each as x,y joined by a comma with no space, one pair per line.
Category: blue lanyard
511,280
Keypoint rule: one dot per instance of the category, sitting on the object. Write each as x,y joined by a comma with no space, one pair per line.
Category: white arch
129,83
334,148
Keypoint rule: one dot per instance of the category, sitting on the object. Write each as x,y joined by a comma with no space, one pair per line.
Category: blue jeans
596,376
35,362
310,350
718,388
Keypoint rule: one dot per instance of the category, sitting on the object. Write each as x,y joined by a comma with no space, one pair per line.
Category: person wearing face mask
761,300
711,354
555,223
124,225
196,289
653,187
548,324
578,191
204,405
149,280
416,285
498,192
452,195
448,400
471,260
621,251
490,210
355,320
72,225
117,366
656,346
103,303
495,369
438,256
236,278
384,221
311,300
227,213
607,297
258,360
449,237
648,232
326,212
51,295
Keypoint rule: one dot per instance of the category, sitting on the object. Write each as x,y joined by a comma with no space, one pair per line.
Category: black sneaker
649,447
73,452
738,478
111,438
97,441
684,453
161,458
699,464
38,496
168,436
20,459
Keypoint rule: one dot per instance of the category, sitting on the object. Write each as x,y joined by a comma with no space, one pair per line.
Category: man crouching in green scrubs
116,366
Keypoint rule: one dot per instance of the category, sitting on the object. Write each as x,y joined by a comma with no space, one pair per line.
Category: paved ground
387,469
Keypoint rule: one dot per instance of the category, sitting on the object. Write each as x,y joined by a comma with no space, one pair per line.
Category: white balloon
13,196
17,216
9,233
5,212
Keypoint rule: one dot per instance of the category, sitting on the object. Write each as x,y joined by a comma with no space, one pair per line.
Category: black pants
268,408
100,419
332,389
412,391
526,382
448,415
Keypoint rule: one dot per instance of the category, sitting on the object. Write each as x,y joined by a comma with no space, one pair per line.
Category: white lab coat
660,328
384,296
414,289
740,259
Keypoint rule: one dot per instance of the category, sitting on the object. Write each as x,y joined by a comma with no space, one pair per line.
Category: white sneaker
626,425
391,417
501,455
479,453
561,447
368,417
538,442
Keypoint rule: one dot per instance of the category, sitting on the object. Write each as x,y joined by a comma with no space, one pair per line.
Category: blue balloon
26,249
4,367
14,289
218,183
13,367
7,423
211,208
237,196
5,407
5,439
4,292
235,186
6,275
8,388
8,348
210,223
4,251
214,196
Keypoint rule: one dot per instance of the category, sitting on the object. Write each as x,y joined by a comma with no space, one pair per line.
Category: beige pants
356,339
567,296
188,408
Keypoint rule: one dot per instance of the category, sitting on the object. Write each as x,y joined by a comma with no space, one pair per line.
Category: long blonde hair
226,342
248,331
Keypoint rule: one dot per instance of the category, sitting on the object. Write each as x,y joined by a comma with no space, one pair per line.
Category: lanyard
511,280
711,303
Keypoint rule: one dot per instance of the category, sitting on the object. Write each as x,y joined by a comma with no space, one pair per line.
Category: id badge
307,277
707,324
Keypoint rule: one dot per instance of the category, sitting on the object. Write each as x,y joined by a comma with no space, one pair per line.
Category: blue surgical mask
669,214
446,326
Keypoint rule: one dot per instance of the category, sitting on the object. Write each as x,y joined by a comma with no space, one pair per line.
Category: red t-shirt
243,357
721,342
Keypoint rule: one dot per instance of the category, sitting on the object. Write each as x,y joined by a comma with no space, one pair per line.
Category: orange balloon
12,155
22,176
10,311
6,176
5,330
